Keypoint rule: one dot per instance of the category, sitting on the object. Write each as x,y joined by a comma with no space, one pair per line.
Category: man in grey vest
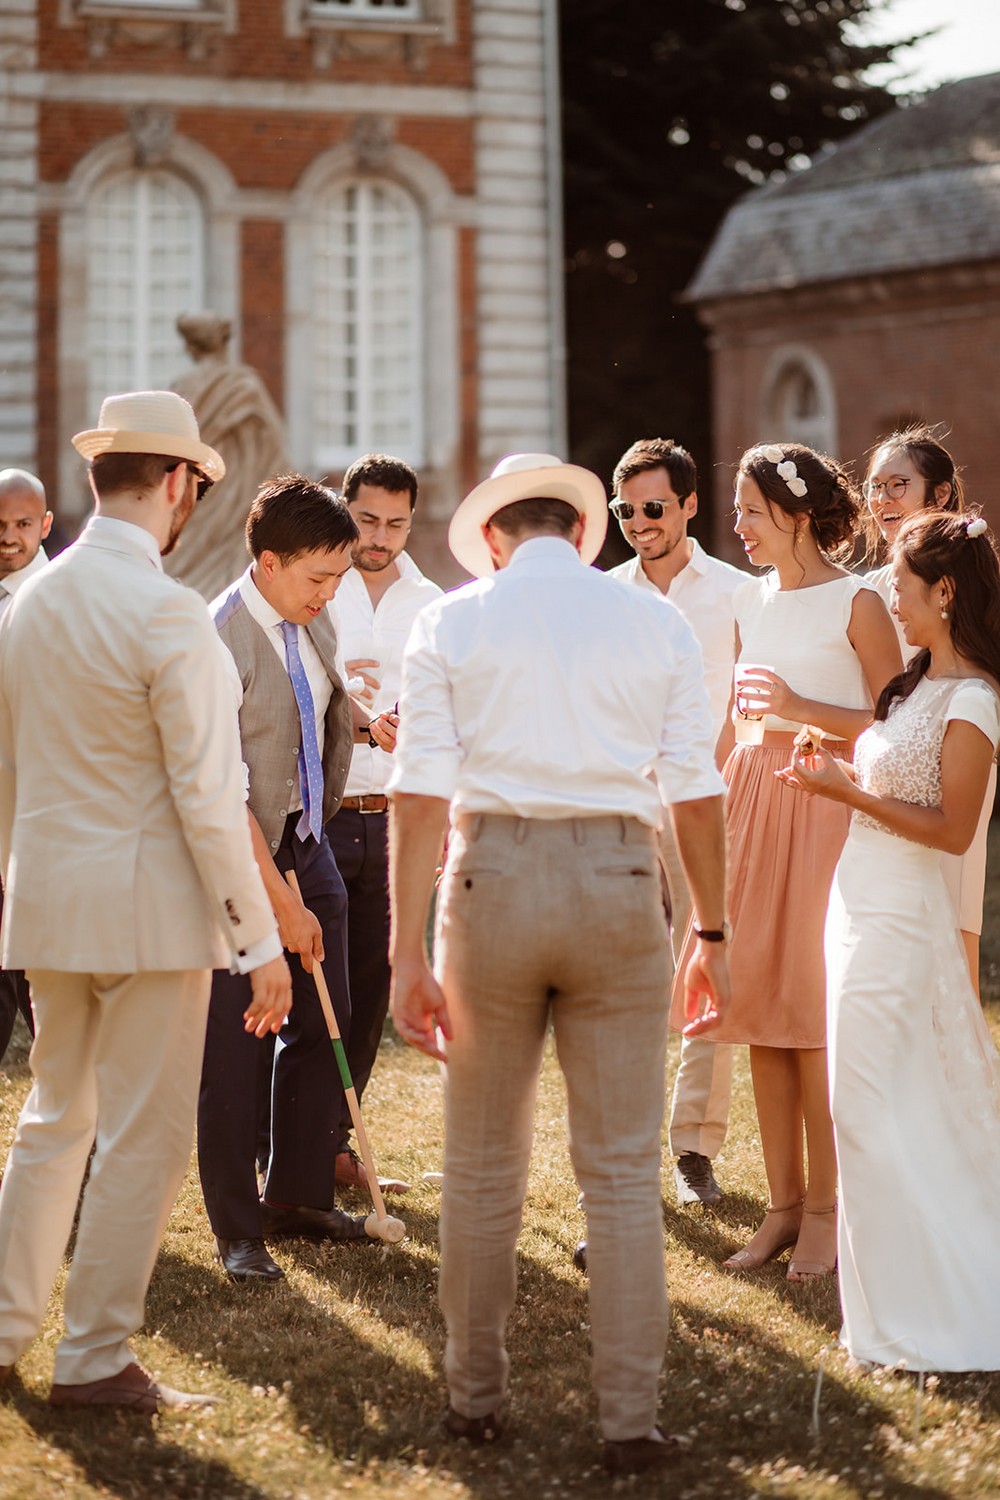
296,728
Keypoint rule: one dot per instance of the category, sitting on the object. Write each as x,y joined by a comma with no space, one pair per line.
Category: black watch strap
713,934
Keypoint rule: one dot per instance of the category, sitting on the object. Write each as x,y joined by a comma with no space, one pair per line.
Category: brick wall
920,347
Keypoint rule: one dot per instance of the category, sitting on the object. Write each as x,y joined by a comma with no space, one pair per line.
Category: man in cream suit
129,875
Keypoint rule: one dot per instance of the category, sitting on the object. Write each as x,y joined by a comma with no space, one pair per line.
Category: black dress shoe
580,1257
314,1224
639,1455
475,1430
248,1260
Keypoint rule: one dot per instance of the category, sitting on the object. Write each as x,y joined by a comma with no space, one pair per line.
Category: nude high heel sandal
748,1260
812,1270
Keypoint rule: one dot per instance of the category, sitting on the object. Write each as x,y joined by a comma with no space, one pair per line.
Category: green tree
671,110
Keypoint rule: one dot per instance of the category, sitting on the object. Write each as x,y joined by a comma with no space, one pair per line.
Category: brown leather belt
371,802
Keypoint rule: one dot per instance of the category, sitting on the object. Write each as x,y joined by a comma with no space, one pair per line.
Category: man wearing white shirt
25,520
374,609
655,496
535,703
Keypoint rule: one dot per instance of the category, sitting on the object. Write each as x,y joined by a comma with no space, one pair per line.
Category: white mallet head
389,1230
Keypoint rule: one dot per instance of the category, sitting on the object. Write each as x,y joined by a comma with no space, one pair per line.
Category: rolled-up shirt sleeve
685,763
428,752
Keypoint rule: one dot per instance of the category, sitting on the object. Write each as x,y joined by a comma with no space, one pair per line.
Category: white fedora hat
150,422
527,476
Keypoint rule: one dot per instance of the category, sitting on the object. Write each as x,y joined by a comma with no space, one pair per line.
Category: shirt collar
126,531
265,614
13,581
698,561
544,551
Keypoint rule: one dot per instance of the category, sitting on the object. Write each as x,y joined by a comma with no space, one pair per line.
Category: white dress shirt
550,691
13,581
377,633
703,592
269,620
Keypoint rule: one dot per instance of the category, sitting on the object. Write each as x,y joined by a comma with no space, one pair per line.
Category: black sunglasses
204,483
651,509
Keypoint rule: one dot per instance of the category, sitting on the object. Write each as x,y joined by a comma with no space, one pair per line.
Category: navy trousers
14,997
306,1095
360,844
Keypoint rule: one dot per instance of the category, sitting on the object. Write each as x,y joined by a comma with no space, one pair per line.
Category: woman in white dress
914,1076
910,471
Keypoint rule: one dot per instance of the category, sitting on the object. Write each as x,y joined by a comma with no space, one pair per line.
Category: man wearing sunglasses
655,496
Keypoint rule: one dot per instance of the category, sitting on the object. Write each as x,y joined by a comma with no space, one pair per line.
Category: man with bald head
24,524
25,521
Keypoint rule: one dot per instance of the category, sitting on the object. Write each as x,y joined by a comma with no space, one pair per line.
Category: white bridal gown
914,1075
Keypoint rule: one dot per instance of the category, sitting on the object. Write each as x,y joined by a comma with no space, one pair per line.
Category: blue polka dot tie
310,764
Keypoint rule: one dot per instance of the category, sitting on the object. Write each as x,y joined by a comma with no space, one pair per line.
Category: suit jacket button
289,782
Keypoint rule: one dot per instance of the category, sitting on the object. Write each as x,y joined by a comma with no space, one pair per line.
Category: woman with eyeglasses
914,1075
910,471
829,649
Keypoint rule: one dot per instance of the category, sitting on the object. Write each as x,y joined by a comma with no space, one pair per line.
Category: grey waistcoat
269,717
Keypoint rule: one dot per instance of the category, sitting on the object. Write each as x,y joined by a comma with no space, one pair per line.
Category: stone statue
238,418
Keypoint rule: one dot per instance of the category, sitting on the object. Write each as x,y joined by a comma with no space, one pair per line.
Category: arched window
145,266
799,401
367,323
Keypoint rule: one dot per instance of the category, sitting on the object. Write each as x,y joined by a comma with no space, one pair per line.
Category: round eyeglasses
895,488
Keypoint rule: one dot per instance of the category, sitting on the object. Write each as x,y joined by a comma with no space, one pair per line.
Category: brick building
864,293
368,188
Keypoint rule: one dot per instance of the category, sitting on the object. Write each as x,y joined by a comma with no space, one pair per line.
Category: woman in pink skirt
816,647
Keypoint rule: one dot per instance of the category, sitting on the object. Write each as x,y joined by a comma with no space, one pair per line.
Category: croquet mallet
379,1225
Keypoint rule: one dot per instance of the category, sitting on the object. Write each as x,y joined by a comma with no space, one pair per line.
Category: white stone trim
182,91
19,118
442,212
822,432
217,191
519,257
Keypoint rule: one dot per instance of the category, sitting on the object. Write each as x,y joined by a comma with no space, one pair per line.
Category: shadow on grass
128,1455
753,1406
713,1234
362,1377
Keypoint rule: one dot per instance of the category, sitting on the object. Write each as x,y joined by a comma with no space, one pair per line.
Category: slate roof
916,188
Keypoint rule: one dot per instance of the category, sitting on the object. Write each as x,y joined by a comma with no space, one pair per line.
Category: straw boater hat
527,476
150,422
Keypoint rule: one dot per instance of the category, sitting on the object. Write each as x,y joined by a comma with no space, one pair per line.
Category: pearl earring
944,612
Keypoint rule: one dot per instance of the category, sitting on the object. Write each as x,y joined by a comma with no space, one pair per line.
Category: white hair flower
773,455
976,527
787,470
797,486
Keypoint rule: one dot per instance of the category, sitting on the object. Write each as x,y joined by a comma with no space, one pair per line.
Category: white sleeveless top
802,635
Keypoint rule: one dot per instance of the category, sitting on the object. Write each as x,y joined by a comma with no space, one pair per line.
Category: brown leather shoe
132,1388
475,1430
349,1172
639,1455
314,1224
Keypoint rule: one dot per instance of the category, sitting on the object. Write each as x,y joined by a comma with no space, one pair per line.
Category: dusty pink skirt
783,848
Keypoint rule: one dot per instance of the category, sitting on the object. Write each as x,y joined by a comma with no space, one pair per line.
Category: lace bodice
901,756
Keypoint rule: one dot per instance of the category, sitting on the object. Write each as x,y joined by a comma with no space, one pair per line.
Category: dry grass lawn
332,1382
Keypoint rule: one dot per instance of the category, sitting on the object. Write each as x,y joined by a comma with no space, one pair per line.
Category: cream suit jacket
124,837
